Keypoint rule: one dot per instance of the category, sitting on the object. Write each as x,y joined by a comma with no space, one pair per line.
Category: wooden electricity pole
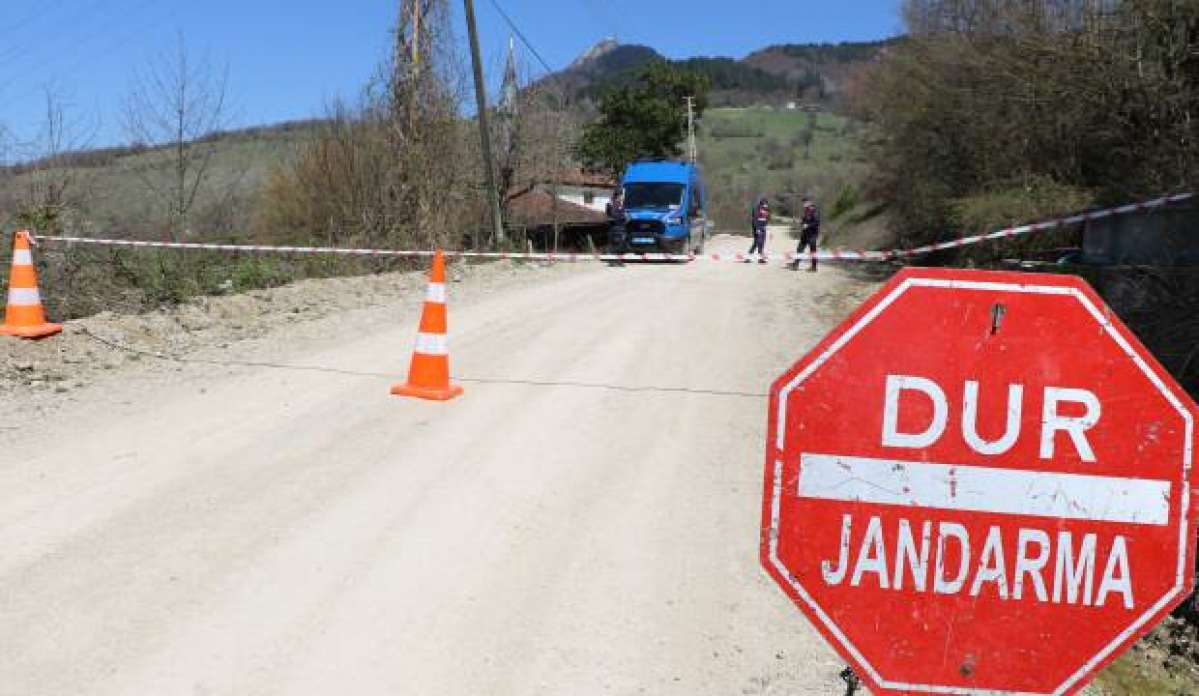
484,131
398,46
416,33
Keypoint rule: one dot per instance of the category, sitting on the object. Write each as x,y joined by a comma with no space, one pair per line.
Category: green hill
108,190
785,155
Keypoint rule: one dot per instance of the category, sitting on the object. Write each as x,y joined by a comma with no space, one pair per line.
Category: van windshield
652,195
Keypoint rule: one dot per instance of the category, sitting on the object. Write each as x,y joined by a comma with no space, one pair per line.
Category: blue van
665,208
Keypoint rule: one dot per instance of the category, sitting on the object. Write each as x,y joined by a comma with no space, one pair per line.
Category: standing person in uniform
809,232
759,219
616,221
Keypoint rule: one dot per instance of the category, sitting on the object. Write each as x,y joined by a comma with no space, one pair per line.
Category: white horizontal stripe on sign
436,293
23,297
22,257
432,344
984,489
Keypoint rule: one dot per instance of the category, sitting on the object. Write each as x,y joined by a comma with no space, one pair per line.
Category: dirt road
583,521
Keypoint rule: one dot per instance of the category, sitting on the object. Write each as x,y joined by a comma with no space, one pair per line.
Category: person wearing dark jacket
758,220
616,222
809,232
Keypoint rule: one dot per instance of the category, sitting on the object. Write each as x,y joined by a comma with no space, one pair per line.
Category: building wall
592,197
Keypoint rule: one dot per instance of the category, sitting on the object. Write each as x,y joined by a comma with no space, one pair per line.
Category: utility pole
692,151
484,132
416,33
398,48
406,79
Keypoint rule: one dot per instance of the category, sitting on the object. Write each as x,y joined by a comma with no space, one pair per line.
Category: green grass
114,198
111,199
779,123
1137,674
754,152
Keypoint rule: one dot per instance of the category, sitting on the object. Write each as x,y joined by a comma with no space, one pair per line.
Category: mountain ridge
814,72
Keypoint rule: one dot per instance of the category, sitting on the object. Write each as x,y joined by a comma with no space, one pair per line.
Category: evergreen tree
645,119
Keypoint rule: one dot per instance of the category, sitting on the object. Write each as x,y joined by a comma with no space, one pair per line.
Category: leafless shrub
1096,96
533,130
175,103
45,189
392,169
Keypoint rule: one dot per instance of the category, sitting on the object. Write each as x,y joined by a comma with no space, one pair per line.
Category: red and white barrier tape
832,255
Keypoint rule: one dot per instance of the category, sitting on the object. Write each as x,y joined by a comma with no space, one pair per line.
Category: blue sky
288,59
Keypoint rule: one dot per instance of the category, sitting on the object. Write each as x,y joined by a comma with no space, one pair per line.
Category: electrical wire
167,357
15,53
107,49
520,35
39,12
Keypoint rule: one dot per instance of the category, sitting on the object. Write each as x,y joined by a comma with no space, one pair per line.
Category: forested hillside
775,75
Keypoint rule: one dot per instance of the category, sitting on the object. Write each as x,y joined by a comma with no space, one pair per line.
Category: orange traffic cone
429,374
24,315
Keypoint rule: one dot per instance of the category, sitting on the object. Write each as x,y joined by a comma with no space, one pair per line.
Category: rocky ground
1165,663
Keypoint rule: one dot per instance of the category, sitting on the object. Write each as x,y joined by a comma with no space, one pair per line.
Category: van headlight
674,221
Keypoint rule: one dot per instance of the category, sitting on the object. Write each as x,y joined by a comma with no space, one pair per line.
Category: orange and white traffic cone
24,316
429,374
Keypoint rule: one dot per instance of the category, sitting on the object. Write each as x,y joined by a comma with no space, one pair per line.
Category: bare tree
508,129
5,146
5,169
1009,99
397,167
51,188
533,130
544,154
422,88
177,103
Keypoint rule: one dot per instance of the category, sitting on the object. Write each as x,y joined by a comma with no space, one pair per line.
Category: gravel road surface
583,521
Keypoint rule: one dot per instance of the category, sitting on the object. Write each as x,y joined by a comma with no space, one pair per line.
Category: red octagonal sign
980,483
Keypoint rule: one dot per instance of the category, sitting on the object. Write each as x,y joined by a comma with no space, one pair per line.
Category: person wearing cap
759,219
809,232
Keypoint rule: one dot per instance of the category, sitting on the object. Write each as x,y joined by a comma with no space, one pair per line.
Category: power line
183,359
37,13
520,35
16,52
124,33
